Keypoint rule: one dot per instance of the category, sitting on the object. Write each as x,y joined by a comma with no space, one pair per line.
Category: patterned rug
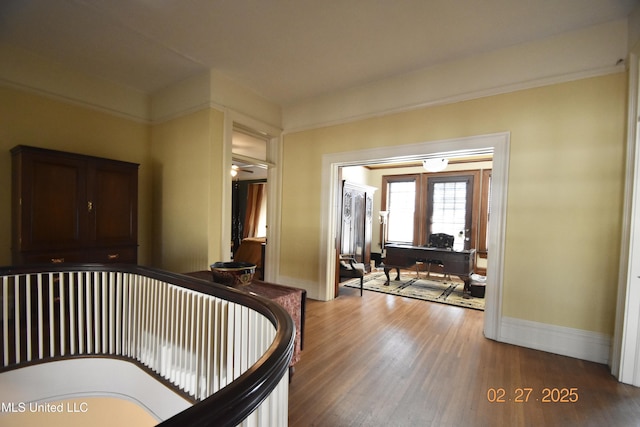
449,292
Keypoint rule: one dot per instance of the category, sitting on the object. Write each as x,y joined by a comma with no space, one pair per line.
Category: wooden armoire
69,207
356,223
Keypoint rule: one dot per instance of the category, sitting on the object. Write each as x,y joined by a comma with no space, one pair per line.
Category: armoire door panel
113,205
56,192
358,230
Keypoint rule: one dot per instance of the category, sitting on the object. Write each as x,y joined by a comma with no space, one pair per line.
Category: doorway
409,201
249,195
497,144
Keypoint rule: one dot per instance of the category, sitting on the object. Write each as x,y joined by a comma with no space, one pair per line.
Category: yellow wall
565,184
187,158
180,184
29,119
564,195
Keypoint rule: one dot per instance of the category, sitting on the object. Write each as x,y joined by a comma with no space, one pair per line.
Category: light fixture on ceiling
436,164
234,170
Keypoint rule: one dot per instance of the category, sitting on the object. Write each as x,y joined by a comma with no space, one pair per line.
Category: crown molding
59,97
585,53
484,93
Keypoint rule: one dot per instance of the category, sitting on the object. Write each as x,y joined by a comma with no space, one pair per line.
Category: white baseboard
578,343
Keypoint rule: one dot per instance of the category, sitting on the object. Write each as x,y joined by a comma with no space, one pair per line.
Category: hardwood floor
381,360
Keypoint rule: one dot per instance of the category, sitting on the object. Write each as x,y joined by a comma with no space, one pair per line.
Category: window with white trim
401,204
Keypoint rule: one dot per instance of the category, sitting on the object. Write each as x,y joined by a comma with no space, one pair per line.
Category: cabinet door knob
90,206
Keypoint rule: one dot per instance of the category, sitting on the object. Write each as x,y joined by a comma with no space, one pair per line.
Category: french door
450,208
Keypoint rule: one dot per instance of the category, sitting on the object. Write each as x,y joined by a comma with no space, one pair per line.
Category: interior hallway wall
564,196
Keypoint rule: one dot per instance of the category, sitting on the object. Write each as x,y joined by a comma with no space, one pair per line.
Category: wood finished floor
382,360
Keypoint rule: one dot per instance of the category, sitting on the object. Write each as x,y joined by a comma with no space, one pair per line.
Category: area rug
445,292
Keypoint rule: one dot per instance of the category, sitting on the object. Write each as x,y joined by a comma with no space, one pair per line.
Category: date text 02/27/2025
528,394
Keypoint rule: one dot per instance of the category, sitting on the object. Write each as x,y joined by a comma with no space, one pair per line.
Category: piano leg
386,273
466,291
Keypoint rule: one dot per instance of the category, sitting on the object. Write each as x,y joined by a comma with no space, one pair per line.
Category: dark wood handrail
230,405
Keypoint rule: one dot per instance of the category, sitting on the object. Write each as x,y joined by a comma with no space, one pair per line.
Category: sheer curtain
255,224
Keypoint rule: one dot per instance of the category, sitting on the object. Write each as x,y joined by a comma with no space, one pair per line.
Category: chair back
441,241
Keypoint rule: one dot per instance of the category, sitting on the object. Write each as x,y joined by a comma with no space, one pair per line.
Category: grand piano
458,263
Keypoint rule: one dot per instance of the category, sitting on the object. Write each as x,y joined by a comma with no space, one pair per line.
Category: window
450,208
400,193
446,202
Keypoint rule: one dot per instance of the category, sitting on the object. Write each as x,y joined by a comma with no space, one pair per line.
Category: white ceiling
285,50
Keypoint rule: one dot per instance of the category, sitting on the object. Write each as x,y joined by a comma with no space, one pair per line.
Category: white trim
274,213
32,73
496,143
578,343
227,189
252,123
70,100
274,187
616,349
594,52
467,96
179,113
625,363
497,237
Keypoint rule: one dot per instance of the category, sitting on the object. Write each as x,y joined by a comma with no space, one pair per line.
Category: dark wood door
54,203
112,204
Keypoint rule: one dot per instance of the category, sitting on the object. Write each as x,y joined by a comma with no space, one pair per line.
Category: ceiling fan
235,169
243,165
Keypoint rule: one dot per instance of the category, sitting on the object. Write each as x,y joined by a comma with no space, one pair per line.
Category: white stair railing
197,337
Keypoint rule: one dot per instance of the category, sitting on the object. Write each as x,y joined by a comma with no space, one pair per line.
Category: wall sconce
437,164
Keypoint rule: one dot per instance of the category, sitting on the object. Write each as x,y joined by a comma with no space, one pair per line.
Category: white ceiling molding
24,70
210,89
593,51
570,56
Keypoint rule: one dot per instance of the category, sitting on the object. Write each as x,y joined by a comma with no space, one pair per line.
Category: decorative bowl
233,273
